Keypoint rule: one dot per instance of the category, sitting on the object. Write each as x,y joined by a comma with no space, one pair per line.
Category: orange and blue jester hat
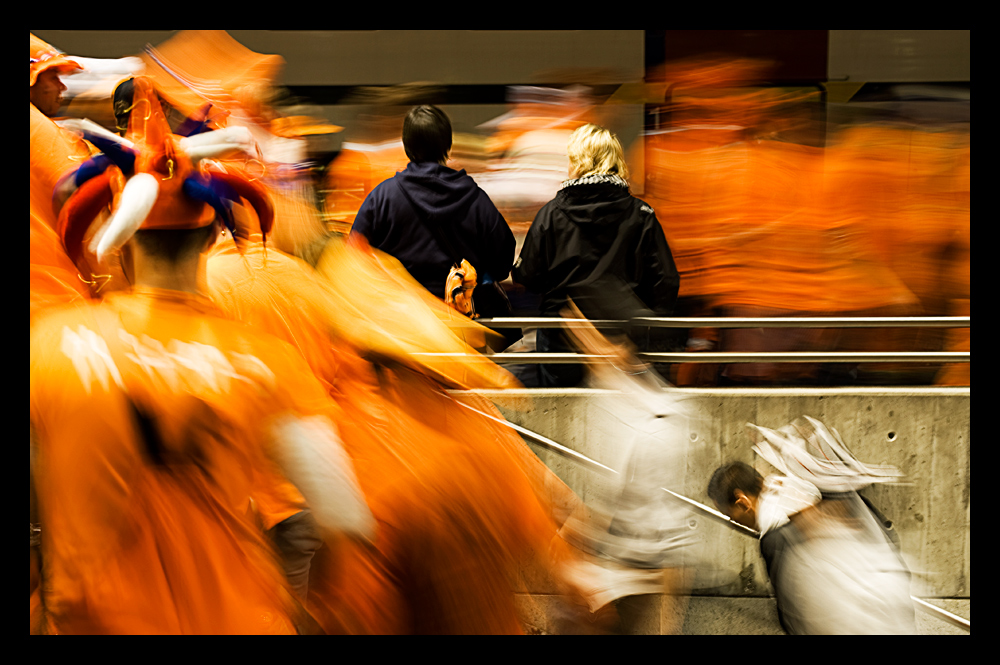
168,181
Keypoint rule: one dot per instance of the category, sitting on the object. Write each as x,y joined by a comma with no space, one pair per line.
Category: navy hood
399,215
437,191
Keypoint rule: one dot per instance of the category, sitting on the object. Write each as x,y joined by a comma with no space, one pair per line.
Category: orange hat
160,158
43,56
297,126
198,66
169,188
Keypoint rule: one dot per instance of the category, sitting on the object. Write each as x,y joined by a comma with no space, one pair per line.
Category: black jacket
602,247
444,197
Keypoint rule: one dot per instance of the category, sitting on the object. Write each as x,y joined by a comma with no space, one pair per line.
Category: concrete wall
390,57
898,56
923,431
387,57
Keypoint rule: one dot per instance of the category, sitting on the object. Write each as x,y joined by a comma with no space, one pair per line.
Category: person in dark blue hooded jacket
398,215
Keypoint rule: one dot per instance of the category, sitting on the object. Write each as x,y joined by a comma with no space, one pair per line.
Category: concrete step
546,614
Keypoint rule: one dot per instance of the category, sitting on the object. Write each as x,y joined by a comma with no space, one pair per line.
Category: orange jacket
461,503
150,533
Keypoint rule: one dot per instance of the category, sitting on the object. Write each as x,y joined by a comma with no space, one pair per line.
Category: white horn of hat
809,450
830,437
81,125
137,200
218,143
768,446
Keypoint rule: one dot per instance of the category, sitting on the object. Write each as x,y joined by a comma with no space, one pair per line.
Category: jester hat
198,66
168,184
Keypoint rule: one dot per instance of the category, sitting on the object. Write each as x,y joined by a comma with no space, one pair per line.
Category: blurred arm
500,244
310,454
532,265
663,282
34,565
32,454
364,221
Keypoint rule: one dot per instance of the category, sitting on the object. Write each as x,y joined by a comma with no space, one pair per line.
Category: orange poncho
151,534
461,503
52,277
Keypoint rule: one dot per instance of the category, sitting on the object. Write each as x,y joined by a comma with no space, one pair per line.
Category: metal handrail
737,322
807,322
594,465
726,357
810,357
942,614
548,322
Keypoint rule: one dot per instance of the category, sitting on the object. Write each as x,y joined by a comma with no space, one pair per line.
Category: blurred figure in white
89,91
531,144
642,544
832,558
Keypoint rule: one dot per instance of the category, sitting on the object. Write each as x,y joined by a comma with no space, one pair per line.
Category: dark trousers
297,539
553,340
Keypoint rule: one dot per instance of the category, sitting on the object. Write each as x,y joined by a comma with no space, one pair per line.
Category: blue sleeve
365,220
662,281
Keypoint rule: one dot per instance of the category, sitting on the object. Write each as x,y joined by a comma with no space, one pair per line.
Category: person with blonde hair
599,246
593,150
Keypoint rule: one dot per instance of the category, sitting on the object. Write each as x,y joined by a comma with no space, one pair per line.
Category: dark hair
426,134
173,244
731,477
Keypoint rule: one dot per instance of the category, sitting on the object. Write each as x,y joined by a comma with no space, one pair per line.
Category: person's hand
510,286
590,341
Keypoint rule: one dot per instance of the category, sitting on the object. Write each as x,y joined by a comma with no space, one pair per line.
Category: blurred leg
552,340
676,596
297,539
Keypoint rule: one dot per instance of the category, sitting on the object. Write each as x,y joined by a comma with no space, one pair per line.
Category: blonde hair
593,150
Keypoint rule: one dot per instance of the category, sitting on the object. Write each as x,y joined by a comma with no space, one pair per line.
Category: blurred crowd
772,207
773,210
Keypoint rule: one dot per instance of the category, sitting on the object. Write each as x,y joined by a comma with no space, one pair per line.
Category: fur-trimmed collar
596,179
